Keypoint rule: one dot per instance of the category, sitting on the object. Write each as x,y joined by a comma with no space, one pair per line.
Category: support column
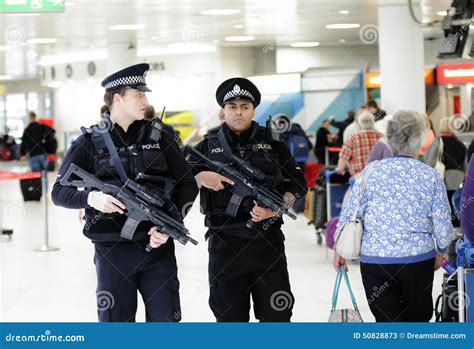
401,58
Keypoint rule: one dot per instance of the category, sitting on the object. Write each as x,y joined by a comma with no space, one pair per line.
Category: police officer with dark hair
246,262
123,266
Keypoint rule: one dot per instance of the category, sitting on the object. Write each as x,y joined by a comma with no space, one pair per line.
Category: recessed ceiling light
4,48
42,41
127,27
215,41
238,26
442,13
344,12
220,12
342,41
5,77
343,26
240,38
154,38
305,44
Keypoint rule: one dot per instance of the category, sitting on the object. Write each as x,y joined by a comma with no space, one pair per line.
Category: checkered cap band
126,81
240,93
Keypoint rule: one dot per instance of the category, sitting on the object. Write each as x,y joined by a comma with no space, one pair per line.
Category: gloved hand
104,202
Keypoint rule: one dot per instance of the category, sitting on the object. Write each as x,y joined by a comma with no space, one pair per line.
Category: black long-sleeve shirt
32,140
82,154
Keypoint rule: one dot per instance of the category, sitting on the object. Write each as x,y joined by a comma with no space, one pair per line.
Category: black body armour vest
143,161
260,152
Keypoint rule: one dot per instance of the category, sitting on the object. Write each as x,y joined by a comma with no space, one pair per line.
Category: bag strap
335,290
341,272
112,150
354,302
364,185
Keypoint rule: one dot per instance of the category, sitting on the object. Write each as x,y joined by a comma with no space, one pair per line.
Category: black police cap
133,77
237,88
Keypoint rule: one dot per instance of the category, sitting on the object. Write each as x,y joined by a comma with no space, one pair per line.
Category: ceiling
84,26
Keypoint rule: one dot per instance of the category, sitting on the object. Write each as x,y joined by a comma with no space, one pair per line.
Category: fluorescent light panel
343,26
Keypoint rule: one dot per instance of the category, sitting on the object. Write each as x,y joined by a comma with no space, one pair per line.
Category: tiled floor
60,286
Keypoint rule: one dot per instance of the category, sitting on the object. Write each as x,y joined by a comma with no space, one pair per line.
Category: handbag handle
364,185
341,272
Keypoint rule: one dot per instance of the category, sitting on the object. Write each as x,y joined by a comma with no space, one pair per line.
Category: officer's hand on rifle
104,202
260,213
156,238
212,180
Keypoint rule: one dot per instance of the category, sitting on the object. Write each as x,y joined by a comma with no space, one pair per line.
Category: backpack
49,140
299,146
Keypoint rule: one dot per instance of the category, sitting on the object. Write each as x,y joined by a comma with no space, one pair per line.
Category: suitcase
31,189
319,207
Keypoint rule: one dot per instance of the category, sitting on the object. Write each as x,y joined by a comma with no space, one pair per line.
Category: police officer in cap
124,266
244,262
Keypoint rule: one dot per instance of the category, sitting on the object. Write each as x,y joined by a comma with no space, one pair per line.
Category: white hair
405,132
366,120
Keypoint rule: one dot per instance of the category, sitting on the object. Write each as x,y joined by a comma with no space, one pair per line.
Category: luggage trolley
465,280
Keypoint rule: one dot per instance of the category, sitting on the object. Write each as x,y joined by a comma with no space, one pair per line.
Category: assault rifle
140,205
245,184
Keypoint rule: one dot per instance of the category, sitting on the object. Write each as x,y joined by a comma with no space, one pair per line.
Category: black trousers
125,268
399,292
240,269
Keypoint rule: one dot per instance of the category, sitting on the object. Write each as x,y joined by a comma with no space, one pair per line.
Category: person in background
406,226
453,158
470,151
467,204
429,135
353,127
355,151
342,125
380,151
323,140
34,144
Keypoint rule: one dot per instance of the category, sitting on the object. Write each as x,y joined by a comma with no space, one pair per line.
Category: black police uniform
248,262
123,266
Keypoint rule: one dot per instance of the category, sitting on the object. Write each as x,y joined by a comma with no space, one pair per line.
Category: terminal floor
60,286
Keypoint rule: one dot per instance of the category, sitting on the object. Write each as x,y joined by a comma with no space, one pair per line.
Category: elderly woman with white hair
406,226
355,151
